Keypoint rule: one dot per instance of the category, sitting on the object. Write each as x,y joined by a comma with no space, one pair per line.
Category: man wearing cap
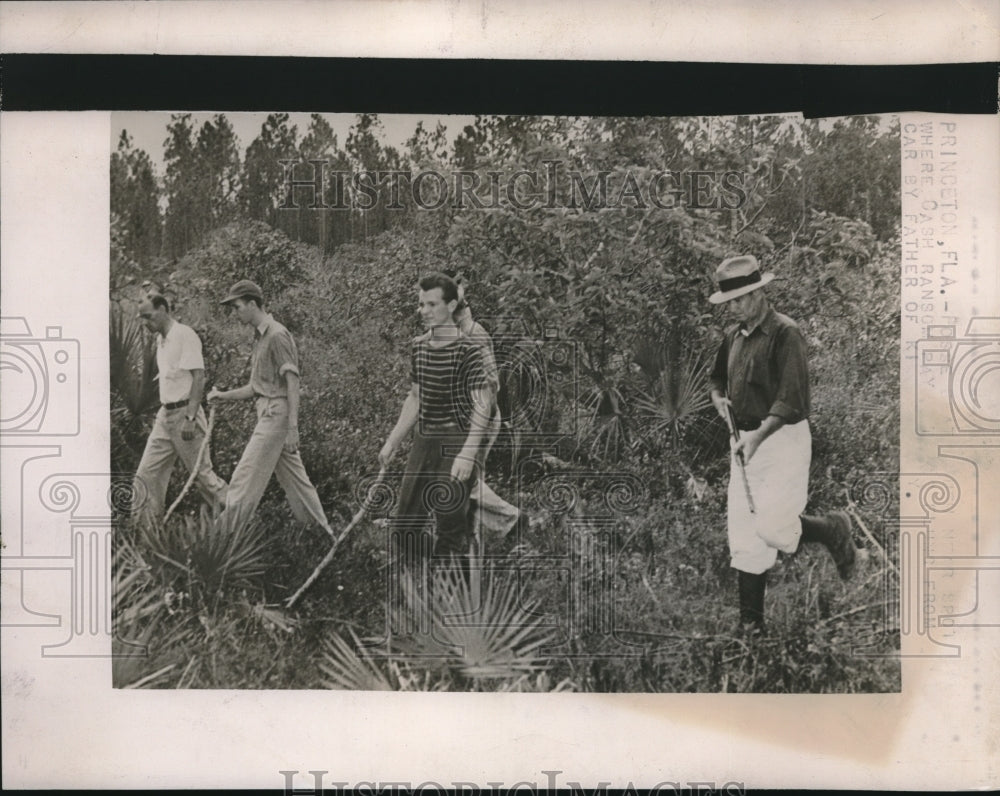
761,376
274,445
448,409
180,426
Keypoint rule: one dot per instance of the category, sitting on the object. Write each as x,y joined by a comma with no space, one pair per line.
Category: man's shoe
842,544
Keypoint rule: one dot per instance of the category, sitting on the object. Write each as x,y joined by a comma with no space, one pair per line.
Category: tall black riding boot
833,531
752,589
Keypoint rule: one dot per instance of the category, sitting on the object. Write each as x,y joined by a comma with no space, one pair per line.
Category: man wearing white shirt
180,425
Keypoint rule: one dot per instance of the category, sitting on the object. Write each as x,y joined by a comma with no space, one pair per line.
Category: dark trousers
428,488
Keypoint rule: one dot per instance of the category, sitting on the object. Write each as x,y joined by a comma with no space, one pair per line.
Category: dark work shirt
447,377
764,372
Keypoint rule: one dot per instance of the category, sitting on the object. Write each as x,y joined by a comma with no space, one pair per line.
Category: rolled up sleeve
284,354
791,402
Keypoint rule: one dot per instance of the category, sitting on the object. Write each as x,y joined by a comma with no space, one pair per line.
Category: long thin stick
734,432
329,556
197,465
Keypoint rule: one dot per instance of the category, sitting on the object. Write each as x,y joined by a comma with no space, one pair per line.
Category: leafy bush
626,289
240,250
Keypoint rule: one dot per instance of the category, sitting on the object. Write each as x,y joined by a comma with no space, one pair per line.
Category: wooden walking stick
735,434
365,506
197,465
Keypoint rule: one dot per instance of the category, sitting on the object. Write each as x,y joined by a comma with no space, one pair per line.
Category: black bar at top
598,88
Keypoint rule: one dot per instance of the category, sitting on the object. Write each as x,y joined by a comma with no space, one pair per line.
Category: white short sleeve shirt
177,355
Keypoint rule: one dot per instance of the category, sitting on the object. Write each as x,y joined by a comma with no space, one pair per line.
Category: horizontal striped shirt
447,377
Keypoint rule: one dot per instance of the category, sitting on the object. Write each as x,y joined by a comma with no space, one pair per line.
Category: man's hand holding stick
197,465
726,410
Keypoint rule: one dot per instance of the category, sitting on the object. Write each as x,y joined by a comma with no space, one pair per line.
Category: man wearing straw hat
274,445
180,426
760,385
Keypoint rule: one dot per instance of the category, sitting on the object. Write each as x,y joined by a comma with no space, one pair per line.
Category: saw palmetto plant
134,393
603,423
675,401
132,356
350,667
480,630
136,602
145,612
483,624
207,554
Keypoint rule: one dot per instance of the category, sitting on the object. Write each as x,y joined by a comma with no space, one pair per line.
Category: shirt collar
161,337
766,324
263,326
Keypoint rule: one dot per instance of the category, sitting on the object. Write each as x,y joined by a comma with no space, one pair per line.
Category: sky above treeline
148,129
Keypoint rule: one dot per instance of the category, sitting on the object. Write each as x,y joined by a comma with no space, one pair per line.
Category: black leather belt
175,405
747,425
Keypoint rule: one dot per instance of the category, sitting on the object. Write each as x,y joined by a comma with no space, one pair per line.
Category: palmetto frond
603,424
133,363
480,628
212,553
141,615
135,600
343,668
482,625
677,396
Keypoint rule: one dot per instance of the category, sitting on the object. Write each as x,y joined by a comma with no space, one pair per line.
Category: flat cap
244,289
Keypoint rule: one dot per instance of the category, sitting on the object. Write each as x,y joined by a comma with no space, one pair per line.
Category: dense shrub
623,290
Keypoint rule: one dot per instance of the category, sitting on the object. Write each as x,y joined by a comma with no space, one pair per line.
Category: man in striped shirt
448,409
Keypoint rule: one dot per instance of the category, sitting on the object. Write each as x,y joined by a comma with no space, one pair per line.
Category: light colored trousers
779,483
493,512
163,447
265,454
